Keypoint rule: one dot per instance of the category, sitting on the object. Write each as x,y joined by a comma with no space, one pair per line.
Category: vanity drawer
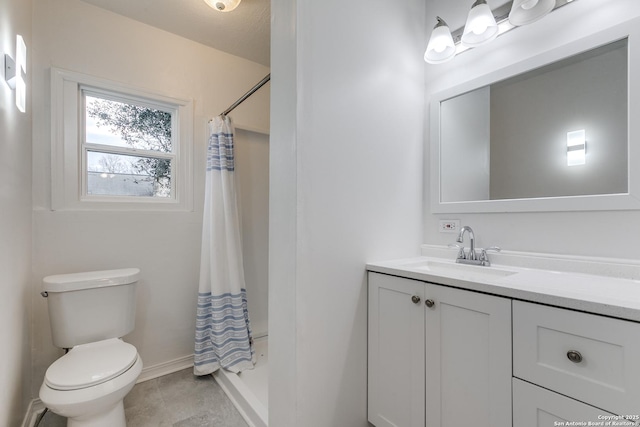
535,406
591,358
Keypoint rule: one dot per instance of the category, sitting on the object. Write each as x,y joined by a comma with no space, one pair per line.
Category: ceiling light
481,26
441,47
525,12
223,5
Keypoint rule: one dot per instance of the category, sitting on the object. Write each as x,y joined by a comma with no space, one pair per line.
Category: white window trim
67,191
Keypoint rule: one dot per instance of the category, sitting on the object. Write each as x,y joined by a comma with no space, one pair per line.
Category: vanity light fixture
525,12
223,5
576,147
481,26
441,47
15,72
484,25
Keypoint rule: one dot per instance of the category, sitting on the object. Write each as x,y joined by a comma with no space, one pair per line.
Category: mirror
554,137
508,140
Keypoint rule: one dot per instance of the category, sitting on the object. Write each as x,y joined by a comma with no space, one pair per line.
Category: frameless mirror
555,137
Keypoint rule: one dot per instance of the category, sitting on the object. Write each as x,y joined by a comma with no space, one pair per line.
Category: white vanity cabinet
438,356
578,366
554,344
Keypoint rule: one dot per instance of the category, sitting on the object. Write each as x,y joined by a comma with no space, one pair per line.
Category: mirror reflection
560,130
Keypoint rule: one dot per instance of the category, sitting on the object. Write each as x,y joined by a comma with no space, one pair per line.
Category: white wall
346,167
252,168
73,35
579,233
15,224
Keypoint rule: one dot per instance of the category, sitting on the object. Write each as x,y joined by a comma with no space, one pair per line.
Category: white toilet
89,312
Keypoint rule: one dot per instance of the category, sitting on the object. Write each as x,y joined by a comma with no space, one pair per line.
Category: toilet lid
87,365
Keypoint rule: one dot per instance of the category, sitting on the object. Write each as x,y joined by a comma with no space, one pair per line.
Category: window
128,146
115,147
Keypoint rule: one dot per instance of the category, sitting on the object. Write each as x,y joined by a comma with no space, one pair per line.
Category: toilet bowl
89,312
88,384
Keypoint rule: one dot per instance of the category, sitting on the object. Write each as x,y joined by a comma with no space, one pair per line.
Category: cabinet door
396,352
468,359
535,406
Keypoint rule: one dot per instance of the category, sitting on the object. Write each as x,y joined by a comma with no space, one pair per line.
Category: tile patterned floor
176,400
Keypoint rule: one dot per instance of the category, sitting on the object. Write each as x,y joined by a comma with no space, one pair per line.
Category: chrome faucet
472,257
472,246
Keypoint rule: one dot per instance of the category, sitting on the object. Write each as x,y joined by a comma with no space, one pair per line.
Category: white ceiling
244,32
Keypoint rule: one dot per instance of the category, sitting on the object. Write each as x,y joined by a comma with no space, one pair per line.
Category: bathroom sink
461,271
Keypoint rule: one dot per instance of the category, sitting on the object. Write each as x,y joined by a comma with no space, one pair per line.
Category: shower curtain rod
248,94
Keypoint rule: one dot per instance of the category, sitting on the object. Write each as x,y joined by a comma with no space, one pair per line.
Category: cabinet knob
430,303
415,299
574,356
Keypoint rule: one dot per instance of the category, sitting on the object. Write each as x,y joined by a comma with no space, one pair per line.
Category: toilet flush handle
44,294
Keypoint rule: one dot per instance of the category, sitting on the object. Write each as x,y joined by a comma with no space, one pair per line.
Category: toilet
89,313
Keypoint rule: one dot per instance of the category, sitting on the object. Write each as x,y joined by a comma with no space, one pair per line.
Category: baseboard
165,368
36,406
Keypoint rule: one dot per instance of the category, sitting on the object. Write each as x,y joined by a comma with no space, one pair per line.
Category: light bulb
481,26
527,11
441,47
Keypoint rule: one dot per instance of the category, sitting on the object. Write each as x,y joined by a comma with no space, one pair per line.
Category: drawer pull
415,299
574,356
430,303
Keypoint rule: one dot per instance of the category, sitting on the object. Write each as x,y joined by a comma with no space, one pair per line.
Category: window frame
69,148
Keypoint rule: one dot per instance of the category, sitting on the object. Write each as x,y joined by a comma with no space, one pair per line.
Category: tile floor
176,400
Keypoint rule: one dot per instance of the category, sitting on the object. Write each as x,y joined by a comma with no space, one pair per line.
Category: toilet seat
91,364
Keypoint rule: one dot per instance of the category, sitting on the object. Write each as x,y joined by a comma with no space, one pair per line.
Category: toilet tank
92,306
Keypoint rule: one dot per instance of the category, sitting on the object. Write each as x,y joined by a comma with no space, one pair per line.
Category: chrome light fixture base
10,71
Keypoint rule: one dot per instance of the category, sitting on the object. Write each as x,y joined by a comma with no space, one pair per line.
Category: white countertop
601,286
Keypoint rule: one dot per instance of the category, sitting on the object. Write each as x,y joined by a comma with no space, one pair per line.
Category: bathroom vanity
520,339
530,341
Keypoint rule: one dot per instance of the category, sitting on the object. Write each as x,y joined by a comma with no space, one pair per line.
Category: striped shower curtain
223,333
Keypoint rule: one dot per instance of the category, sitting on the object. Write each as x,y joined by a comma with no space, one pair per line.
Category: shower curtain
223,334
